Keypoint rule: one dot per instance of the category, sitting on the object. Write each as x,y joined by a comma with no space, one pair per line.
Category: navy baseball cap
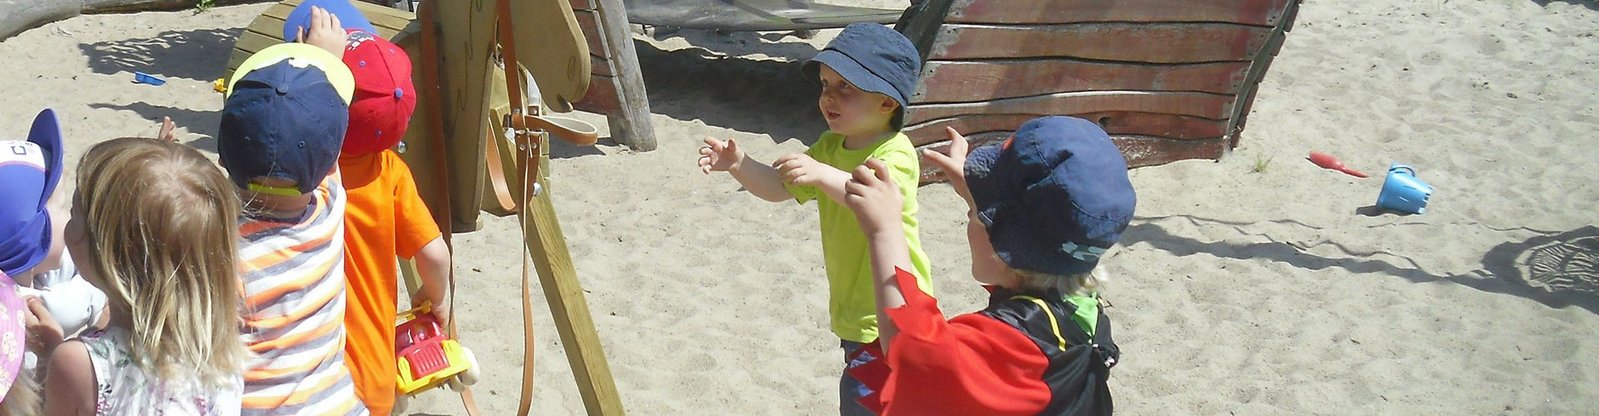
1054,197
285,118
349,17
29,171
873,58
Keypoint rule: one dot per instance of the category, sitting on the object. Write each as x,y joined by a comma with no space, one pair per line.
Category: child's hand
720,156
325,32
168,130
437,307
801,169
954,163
874,197
44,334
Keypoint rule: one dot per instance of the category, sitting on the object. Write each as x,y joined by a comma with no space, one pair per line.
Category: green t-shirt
852,301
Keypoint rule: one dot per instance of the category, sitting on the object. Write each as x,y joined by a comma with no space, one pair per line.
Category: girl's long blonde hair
161,221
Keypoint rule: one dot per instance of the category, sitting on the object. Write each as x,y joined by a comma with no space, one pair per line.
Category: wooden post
564,294
466,42
632,125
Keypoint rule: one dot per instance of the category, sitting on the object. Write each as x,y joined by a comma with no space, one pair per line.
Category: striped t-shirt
293,310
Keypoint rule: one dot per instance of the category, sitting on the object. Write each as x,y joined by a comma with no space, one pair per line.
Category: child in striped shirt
282,126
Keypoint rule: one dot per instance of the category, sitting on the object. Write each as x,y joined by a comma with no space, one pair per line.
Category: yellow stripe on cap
301,55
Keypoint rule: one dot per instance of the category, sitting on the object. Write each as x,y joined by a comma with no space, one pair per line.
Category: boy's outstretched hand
874,197
954,163
720,156
325,32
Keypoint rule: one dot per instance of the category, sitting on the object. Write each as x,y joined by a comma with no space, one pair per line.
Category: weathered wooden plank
588,20
1126,42
1249,12
630,125
1116,123
601,98
584,5
1139,150
957,81
600,66
1196,104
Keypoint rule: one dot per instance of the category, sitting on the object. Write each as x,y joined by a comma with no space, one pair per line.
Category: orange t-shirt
385,220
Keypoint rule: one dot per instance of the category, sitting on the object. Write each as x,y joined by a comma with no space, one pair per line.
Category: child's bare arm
433,267
761,180
878,205
802,169
69,387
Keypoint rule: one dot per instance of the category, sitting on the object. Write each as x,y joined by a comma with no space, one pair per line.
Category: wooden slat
267,29
584,5
1203,105
1139,151
601,97
957,81
589,22
1249,12
1126,42
1116,123
600,66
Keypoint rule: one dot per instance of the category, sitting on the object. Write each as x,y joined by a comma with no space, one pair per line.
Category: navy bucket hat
873,58
1054,197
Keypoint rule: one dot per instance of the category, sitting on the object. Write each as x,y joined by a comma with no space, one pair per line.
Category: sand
1236,291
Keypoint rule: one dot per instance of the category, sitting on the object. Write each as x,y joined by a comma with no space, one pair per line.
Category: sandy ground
1272,292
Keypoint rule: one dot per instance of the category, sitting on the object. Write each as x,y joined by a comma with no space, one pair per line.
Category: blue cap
873,58
29,171
349,17
284,120
1054,196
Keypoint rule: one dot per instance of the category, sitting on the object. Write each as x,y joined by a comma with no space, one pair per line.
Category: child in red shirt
1045,206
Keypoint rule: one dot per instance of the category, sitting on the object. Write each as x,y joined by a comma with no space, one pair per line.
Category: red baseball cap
384,96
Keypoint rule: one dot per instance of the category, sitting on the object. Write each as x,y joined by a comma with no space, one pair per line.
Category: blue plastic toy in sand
144,78
1402,192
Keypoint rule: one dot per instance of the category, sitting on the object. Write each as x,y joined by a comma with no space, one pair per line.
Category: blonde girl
153,225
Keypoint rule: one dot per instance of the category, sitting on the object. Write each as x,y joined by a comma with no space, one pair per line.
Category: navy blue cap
282,121
349,17
873,58
1054,197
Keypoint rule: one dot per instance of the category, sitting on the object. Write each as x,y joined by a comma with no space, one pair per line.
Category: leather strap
503,199
527,147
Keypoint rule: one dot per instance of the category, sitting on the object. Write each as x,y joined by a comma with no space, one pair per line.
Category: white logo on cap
17,151
1081,253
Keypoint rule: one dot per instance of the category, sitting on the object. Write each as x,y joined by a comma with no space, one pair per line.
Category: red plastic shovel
1327,161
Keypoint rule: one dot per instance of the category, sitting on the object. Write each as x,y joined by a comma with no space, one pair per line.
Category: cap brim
350,18
337,73
853,72
46,132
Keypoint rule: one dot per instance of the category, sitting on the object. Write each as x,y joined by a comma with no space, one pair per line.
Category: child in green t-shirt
867,75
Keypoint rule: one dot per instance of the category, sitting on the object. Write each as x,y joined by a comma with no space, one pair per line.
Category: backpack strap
1054,323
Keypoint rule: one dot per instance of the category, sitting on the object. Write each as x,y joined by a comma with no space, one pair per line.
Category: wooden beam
958,81
1114,122
564,293
1125,42
1249,12
1196,104
630,124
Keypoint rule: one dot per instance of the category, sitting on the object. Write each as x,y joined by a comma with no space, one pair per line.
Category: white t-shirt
73,302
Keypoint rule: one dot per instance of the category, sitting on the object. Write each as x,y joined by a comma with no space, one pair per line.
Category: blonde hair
162,223
1082,284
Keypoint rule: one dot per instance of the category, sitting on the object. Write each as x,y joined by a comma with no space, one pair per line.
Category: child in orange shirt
385,217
